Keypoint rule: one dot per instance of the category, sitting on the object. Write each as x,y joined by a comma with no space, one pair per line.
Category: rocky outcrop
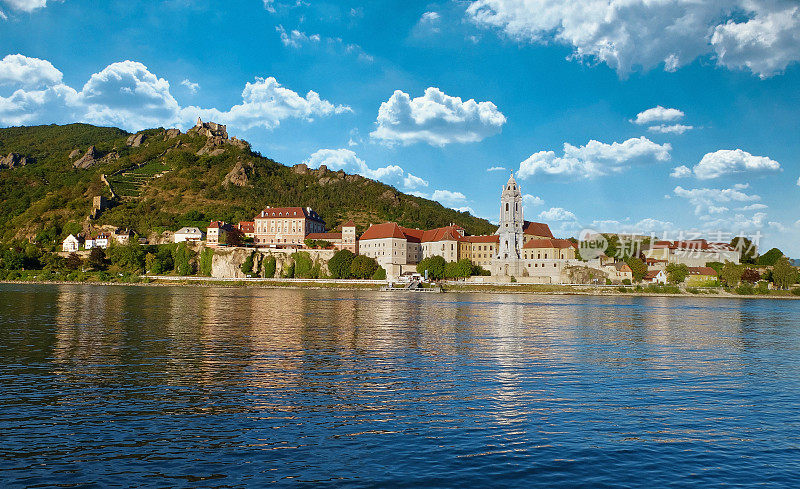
213,147
227,263
171,133
88,160
15,160
239,175
135,140
74,154
300,169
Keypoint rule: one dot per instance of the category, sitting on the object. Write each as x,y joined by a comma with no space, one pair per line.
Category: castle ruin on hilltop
211,129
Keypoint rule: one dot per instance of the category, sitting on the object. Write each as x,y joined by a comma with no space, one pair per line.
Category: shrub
182,259
692,290
676,273
796,291
269,266
380,274
288,271
626,282
363,267
206,259
303,266
745,289
339,264
247,265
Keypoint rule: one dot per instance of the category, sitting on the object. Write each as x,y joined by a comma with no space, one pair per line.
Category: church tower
511,222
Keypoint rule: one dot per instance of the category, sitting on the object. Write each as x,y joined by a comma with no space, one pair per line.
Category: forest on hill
163,180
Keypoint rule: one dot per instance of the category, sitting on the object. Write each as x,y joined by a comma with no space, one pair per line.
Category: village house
286,226
99,241
655,277
219,233
190,234
343,238
692,253
618,272
700,276
122,236
72,243
247,228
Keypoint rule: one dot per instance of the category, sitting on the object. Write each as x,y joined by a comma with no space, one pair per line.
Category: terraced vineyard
129,184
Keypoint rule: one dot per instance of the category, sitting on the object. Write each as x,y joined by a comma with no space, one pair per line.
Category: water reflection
240,387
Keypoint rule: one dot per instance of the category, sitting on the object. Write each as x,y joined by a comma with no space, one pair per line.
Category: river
242,387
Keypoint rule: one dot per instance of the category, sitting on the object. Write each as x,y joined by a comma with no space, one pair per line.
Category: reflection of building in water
87,323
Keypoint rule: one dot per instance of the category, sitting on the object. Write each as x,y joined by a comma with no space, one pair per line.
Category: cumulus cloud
726,162
25,72
670,129
529,200
682,171
190,85
707,200
295,38
26,5
466,209
557,214
496,168
595,158
658,114
430,17
347,160
435,118
128,95
448,197
736,225
752,207
760,35
645,226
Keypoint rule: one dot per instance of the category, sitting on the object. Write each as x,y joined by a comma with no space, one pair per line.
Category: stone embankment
227,262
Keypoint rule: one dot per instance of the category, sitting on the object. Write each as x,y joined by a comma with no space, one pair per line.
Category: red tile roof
306,212
385,230
247,226
651,274
491,238
706,271
348,224
550,243
325,236
447,233
536,229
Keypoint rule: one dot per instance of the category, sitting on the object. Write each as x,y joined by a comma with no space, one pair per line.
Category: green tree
784,274
339,264
269,266
770,258
731,274
152,264
97,259
206,260
380,274
363,267
129,257
465,268
750,275
638,268
717,266
288,270
745,247
434,265
73,261
247,264
182,259
303,265
451,270
677,273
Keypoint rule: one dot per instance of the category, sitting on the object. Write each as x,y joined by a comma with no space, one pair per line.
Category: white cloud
798,181
704,199
737,224
779,226
449,198
644,226
726,162
295,38
557,214
671,129
347,160
496,168
658,114
128,95
3,15
26,5
682,171
190,85
465,208
25,72
752,207
595,158
430,17
759,35
529,200
436,118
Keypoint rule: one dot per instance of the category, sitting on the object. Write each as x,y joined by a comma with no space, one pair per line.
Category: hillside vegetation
164,184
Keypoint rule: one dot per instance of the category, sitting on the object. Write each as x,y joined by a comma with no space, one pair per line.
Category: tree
434,265
129,257
717,266
451,270
745,247
731,274
73,261
152,264
784,274
247,264
339,264
638,268
380,274
363,266
303,265
206,261
750,275
465,268
770,258
677,273
182,259
269,266
97,259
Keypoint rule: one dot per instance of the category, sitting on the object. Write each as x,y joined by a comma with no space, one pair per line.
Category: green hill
171,180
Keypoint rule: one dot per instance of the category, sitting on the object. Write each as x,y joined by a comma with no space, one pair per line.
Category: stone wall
227,262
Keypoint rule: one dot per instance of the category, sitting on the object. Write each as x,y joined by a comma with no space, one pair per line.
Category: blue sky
593,105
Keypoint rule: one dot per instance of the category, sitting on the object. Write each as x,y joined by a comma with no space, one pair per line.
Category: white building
508,262
188,234
72,243
99,241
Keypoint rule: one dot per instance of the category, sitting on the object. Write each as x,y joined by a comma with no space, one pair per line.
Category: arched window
506,206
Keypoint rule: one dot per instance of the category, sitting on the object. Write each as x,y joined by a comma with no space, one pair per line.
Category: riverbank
451,287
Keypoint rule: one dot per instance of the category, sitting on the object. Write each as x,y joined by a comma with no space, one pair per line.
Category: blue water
203,387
